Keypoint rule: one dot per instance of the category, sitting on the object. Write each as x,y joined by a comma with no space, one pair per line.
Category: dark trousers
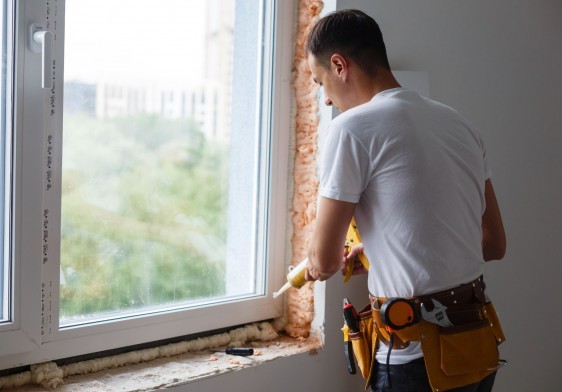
412,377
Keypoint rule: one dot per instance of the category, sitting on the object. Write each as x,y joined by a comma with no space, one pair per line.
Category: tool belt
462,353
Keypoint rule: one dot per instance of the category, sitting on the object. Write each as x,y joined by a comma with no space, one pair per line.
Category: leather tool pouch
464,353
468,348
364,341
455,356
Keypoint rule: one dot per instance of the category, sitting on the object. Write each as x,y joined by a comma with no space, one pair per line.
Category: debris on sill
168,365
165,371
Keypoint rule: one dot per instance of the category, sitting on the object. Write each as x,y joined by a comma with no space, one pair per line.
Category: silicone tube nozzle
295,278
282,290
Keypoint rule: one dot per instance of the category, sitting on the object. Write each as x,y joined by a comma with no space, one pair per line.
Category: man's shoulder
359,116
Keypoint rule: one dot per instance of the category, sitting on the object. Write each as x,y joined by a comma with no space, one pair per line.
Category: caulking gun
295,277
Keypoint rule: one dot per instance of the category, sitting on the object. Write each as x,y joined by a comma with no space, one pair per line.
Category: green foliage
143,214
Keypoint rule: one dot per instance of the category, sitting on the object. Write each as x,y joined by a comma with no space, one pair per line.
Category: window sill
185,368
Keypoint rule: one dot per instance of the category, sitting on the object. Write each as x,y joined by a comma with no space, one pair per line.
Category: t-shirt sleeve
487,170
344,167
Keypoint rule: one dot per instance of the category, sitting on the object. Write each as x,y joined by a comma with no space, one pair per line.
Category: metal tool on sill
240,351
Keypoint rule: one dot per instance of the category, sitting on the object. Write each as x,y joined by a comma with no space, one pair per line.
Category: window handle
42,42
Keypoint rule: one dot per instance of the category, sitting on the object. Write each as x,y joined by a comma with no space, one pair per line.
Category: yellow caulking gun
353,238
295,277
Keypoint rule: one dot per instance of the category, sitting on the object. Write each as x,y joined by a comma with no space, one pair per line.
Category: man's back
417,172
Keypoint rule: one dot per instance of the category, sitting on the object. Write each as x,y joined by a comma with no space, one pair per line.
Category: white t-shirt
416,170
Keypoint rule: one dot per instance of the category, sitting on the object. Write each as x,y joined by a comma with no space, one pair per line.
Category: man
414,175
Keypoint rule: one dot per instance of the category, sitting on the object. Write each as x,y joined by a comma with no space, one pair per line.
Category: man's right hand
358,267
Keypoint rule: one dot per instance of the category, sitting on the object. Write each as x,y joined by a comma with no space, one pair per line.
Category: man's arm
493,234
327,246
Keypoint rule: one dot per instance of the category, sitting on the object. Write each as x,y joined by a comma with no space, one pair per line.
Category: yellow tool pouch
461,355
454,356
364,341
458,355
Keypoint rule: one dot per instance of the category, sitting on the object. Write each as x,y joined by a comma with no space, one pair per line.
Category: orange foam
301,302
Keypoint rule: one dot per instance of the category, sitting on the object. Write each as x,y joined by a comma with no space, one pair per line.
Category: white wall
500,64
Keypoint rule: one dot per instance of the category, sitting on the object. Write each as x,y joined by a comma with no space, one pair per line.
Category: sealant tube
295,278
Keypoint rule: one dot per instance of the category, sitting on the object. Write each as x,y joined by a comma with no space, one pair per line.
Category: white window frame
34,335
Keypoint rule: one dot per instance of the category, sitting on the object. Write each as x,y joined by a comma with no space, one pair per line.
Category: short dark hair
351,33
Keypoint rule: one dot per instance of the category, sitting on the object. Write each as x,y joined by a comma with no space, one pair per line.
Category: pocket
362,352
465,314
468,348
362,342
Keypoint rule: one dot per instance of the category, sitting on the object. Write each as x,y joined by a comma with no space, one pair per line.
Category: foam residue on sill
168,365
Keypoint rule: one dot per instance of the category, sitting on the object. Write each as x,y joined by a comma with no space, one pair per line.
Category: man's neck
372,85
364,87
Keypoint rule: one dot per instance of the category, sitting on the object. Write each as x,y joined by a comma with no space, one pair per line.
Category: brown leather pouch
468,348
465,353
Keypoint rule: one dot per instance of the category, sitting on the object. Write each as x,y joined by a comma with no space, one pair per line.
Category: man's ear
339,65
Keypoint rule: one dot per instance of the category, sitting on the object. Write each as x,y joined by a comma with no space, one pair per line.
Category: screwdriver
241,351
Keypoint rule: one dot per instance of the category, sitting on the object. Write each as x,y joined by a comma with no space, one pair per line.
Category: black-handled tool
241,351
348,352
350,317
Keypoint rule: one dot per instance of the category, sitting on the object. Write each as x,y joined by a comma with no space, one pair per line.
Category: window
5,279
144,169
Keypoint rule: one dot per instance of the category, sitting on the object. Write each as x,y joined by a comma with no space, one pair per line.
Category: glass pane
146,189
4,185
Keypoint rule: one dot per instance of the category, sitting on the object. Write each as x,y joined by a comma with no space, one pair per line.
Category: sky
135,39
